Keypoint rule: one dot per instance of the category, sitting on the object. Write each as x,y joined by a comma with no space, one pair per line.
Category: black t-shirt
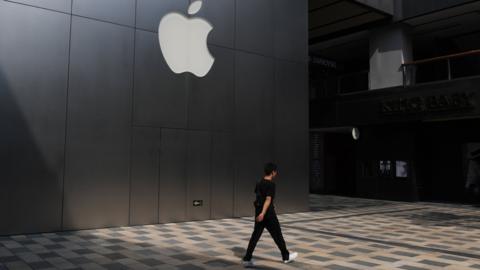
263,189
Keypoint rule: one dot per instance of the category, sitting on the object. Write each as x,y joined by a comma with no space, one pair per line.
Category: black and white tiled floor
338,234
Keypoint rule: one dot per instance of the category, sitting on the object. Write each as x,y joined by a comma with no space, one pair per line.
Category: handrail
434,59
409,68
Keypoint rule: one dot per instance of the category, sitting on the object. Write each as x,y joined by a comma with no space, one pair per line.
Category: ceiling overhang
449,22
333,18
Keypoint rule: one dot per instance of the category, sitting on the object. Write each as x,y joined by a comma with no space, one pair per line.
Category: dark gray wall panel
214,133
253,125
116,11
221,14
33,85
59,5
291,135
222,176
98,134
160,94
150,12
173,182
144,176
211,97
198,174
254,29
291,29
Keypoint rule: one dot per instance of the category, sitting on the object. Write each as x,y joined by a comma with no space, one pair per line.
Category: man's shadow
239,252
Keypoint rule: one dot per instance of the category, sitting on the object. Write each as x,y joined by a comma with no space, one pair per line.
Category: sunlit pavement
338,233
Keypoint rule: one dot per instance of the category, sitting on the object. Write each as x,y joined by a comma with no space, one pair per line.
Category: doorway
340,164
444,153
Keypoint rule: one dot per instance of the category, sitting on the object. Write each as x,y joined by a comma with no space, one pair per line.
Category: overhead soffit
330,17
449,22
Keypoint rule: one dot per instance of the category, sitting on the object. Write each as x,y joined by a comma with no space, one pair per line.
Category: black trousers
270,221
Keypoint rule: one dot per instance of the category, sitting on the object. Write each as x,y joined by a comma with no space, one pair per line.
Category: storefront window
401,169
389,168
385,167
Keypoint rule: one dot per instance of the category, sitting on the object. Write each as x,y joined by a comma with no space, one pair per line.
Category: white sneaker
248,264
291,257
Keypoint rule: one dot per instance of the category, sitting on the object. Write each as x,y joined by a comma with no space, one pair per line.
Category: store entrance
444,155
340,164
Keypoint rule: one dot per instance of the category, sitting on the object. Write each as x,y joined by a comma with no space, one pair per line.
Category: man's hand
266,204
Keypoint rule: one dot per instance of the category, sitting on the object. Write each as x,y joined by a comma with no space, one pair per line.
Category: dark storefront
414,144
408,79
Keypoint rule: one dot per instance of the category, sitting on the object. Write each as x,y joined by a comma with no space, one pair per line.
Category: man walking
265,217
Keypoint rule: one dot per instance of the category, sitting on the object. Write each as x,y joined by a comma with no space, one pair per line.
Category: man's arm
266,204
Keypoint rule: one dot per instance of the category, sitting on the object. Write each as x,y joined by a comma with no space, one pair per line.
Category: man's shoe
248,264
291,257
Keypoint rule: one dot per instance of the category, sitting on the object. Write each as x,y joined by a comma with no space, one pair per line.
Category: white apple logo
184,42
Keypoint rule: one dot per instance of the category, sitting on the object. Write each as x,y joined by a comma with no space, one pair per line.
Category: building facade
406,75
97,131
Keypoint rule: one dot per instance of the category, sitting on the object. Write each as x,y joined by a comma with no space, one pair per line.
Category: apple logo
183,42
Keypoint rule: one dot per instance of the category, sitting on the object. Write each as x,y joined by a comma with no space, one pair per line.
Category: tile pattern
339,233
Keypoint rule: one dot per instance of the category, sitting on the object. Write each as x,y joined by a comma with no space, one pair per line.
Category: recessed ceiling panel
334,13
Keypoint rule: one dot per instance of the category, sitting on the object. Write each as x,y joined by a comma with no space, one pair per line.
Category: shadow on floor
443,219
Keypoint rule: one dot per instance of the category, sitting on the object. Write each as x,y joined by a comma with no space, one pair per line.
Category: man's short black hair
269,168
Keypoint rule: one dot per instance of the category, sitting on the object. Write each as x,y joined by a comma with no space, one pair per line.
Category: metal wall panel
150,12
98,134
253,125
291,91
222,176
173,170
59,5
291,29
233,106
254,27
198,174
291,135
33,86
115,11
160,95
144,176
211,97
221,14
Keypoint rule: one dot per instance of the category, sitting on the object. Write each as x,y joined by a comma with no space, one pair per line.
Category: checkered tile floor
339,233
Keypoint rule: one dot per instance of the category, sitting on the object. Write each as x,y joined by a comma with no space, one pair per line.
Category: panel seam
210,202
62,216
234,128
132,110
44,8
159,171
